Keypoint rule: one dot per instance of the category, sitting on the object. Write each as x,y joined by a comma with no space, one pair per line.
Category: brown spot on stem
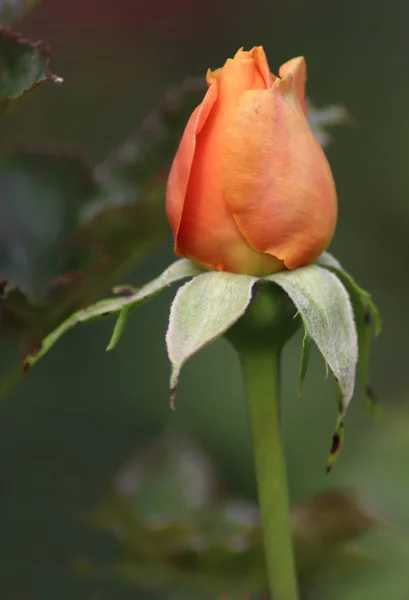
26,366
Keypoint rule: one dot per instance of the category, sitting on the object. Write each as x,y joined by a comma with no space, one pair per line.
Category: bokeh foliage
69,428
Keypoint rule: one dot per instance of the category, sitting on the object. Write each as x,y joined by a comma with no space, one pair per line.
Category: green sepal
305,356
367,320
337,442
119,328
326,312
179,270
338,435
203,310
324,296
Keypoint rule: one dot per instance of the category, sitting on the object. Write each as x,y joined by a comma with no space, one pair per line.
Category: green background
82,413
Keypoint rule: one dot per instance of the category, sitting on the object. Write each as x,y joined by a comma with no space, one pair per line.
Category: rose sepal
335,312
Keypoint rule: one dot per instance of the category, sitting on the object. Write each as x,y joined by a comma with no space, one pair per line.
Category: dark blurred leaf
23,65
10,10
180,532
40,198
128,216
125,219
323,528
167,481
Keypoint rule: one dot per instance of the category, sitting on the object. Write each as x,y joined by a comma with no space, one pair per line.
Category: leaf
119,328
179,270
166,481
120,223
305,355
324,528
177,530
327,260
24,65
363,312
366,314
337,440
147,155
40,198
203,309
326,311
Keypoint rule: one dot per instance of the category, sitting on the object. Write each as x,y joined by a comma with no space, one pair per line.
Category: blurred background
88,445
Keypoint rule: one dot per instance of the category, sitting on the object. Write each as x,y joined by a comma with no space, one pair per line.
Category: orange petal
275,178
258,56
296,70
207,231
182,164
262,64
212,75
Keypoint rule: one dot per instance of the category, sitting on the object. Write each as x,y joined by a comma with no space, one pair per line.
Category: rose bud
250,189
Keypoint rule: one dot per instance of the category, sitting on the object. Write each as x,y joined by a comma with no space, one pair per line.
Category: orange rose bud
250,189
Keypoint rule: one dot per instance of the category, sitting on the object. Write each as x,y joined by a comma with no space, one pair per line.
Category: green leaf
305,355
326,311
364,312
165,506
145,158
337,441
204,309
119,328
327,260
179,270
40,198
120,224
24,65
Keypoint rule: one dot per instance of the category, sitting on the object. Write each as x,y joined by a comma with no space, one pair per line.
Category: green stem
260,368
